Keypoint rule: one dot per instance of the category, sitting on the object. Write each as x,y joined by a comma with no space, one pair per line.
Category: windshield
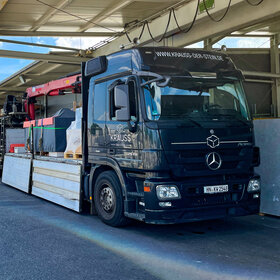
187,97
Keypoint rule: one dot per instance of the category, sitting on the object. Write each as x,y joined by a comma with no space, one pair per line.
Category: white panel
53,173
16,172
64,193
57,182
56,198
68,168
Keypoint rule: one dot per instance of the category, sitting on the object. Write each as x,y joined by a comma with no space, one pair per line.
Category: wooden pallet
72,155
42,154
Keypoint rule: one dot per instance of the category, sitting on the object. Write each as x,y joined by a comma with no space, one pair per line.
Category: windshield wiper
179,116
195,122
243,121
191,119
160,80
234,117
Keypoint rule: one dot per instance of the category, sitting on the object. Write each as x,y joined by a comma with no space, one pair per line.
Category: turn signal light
147,189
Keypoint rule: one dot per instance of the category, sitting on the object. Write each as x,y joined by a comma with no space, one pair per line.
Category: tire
108,199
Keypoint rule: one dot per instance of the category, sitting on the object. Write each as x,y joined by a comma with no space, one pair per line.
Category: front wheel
108,199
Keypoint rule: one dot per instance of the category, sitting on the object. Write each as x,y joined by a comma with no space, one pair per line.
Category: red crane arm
55,87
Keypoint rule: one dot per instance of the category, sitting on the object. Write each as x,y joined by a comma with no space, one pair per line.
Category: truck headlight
254,185
167,192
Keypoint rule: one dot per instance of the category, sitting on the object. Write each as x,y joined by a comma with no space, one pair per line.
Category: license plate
216,189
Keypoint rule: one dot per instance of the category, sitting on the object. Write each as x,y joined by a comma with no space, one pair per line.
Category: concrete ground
40,240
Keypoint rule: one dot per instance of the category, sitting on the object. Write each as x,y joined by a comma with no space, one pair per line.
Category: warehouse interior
102,28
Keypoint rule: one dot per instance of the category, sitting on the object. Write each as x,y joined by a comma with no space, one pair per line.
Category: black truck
166,138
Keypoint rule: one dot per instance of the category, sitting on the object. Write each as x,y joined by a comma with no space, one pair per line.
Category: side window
99,104
132,99
96,103
112,99
90,104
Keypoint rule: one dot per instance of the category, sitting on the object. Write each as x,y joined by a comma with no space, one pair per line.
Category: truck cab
167,137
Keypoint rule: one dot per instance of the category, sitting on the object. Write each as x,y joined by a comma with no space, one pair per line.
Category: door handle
111,151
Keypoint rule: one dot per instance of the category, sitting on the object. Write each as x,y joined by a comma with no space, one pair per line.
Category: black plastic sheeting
53,137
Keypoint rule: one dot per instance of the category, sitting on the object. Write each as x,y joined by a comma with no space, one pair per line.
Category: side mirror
121,98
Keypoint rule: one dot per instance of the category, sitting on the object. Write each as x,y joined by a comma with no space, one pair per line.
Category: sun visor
162,60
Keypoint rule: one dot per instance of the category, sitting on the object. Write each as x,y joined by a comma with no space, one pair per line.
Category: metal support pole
32,143
168,42
45,106
275,69
208,44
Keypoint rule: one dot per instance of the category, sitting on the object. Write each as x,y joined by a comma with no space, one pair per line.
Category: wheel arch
97,169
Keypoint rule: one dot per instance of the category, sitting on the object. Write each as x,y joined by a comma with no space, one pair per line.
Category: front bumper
174,216
195,205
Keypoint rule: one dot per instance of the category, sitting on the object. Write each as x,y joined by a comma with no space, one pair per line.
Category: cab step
135,194
136,216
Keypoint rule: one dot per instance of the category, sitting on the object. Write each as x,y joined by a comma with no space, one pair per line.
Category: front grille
193,161
202,166
194,153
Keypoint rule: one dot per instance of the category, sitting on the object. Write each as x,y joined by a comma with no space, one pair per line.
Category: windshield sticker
190,55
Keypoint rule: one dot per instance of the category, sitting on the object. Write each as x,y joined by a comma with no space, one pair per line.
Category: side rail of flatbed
55,179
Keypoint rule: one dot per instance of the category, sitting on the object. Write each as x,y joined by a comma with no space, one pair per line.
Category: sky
239,42
9,66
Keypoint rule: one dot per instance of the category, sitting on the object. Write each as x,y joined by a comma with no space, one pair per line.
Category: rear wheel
108,199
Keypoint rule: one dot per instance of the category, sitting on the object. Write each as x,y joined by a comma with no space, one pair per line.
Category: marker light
165,192
254,185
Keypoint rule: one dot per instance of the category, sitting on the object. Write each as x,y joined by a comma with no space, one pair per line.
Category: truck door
124,137
97,120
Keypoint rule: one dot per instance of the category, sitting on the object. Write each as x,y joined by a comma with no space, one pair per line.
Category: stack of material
14,136
74,137
50,133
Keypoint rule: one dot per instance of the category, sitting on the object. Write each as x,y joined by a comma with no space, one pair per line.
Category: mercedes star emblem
213,141
213,161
